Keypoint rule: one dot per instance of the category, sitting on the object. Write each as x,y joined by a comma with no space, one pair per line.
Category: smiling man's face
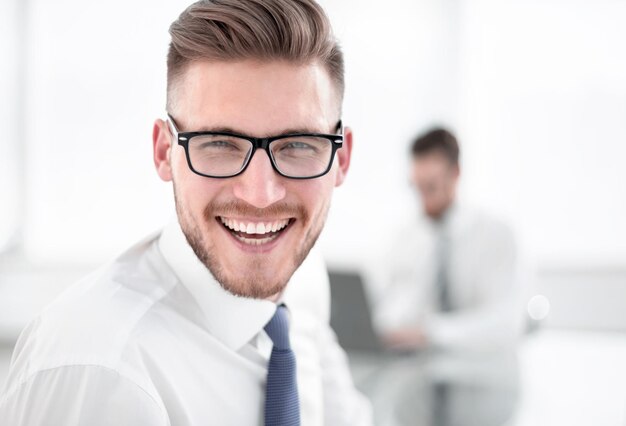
253,230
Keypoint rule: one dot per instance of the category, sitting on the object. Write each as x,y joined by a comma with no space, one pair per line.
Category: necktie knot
278,328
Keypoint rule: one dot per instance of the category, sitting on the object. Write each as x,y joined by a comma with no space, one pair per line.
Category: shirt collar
232,319
447,220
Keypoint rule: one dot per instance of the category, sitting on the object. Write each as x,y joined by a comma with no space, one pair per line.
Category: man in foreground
214,321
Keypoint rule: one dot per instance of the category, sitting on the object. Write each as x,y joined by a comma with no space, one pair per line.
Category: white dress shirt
482,275
152,339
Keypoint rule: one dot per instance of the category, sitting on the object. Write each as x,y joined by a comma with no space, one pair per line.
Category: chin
258,271
256,285
252,252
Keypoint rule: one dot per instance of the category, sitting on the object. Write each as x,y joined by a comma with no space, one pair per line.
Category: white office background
535,89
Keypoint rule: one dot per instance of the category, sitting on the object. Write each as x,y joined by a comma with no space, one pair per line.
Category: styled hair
437,140
297,31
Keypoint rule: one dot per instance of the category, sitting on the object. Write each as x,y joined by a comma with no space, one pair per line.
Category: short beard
255,286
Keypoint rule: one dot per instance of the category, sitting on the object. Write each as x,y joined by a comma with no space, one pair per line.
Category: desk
6,351
439,389
556,377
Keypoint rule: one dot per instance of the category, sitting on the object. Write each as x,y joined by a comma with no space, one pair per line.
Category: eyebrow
226,129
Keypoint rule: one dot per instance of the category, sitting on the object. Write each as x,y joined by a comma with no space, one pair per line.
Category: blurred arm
408,270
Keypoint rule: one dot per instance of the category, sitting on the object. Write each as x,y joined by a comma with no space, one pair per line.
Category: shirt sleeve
80,396
343,404
496,320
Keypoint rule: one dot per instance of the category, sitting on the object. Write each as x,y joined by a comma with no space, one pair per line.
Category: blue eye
222,146
216,144
297,145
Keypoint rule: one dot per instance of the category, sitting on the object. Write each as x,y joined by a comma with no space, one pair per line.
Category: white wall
402,75
537,93
535,89
96,78
544,101
10,134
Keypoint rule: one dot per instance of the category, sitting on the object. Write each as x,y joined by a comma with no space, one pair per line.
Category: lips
255,233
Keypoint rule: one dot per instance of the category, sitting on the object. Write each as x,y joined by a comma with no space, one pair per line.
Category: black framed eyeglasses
224,155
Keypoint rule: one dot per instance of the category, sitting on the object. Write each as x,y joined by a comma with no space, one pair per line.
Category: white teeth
258,228
256,241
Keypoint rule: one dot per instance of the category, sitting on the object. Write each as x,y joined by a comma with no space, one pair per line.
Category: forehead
431,162
256,97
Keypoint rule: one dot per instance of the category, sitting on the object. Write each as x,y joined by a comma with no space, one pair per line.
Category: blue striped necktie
281,396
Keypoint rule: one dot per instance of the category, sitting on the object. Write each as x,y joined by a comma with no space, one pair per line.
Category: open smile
255,233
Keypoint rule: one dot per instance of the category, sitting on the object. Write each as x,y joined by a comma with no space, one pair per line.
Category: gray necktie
444,298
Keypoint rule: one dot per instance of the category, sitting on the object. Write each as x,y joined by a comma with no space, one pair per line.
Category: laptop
350,315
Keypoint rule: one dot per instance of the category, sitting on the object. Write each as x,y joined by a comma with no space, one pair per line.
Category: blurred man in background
453,277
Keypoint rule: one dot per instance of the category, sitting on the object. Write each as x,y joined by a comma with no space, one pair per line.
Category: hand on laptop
406,338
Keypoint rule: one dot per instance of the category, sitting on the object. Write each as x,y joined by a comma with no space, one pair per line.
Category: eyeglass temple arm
172,125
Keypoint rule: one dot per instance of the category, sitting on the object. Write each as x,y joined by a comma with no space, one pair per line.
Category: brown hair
228,30
437,140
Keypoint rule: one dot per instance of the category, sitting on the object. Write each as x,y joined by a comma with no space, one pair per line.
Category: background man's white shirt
483,280
152,339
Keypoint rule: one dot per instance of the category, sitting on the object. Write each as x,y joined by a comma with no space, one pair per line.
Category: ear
343,156
456,171
161,144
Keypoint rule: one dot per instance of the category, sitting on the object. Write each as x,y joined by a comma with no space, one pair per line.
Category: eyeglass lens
221,155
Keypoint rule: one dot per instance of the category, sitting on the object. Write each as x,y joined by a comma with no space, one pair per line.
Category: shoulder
93,323
486,231
482,222
78,395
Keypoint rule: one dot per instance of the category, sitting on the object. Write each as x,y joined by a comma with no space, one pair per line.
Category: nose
259,185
